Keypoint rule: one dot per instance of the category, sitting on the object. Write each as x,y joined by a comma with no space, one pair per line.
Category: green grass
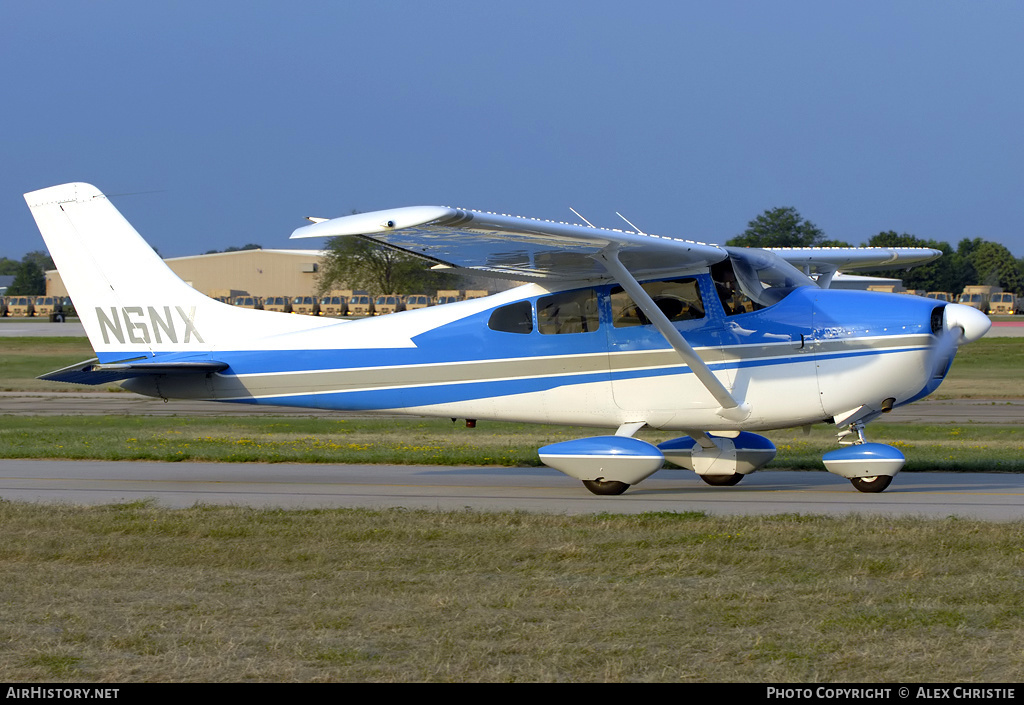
137,593
22,359
991,368
972,447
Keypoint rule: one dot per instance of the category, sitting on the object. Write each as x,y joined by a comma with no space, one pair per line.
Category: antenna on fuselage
638,230
581,217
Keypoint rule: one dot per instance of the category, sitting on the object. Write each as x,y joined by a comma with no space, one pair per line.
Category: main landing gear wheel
605,486
722,480
871,484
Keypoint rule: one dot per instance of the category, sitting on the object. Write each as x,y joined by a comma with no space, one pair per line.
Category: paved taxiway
990,497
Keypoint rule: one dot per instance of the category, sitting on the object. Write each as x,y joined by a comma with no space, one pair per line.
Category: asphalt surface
989,497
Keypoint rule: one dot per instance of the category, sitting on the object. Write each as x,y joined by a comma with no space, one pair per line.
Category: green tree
780,227
944,274
360,263
8,267
994,265
29,280
40,258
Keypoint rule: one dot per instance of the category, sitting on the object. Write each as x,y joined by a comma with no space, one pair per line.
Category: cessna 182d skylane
616,329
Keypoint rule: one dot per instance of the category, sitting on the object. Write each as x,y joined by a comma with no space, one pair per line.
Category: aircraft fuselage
594,361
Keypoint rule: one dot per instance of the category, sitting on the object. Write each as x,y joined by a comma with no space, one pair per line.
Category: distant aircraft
616,329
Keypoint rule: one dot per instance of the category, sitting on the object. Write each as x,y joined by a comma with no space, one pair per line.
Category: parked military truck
447,296
249,302
360,304
306,305
977,296
56,308
389,303
335,303
21,306
282,304
1002,304
414,301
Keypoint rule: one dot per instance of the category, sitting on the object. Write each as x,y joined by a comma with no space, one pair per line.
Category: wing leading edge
512,246
527,248
854,258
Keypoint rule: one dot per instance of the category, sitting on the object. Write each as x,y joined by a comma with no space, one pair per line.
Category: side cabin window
568,312
678,299
514,318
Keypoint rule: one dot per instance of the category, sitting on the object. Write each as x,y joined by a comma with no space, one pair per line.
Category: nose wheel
869,467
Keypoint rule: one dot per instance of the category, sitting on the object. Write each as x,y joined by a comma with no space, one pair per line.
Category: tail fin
131,303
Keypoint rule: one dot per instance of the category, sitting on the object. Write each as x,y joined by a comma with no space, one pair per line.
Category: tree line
973,261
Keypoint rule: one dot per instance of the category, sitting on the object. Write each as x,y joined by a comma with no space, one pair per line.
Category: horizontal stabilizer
92,372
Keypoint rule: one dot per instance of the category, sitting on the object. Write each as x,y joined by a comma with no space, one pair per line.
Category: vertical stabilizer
130,302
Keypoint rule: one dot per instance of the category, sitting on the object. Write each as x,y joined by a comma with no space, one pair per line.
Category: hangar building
256,272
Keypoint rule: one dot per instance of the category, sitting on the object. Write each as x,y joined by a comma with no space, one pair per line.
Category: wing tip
376,222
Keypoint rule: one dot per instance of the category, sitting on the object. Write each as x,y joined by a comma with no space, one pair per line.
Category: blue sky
231,121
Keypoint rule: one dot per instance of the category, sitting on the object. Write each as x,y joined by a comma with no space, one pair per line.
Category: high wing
529,249
826,261
519,248
853,258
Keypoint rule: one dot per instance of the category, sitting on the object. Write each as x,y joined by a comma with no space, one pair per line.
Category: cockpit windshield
752,279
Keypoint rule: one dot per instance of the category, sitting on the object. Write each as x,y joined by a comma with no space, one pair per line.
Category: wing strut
732,409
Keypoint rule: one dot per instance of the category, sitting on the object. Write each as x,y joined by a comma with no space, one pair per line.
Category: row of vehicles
337,303
987,299
56,308
345,302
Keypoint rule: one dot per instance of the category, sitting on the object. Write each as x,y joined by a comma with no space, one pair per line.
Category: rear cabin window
568,312
678,299
514,318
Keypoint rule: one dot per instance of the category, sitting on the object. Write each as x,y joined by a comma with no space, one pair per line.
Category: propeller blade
960,324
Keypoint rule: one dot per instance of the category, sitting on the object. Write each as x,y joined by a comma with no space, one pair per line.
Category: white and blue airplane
615,329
